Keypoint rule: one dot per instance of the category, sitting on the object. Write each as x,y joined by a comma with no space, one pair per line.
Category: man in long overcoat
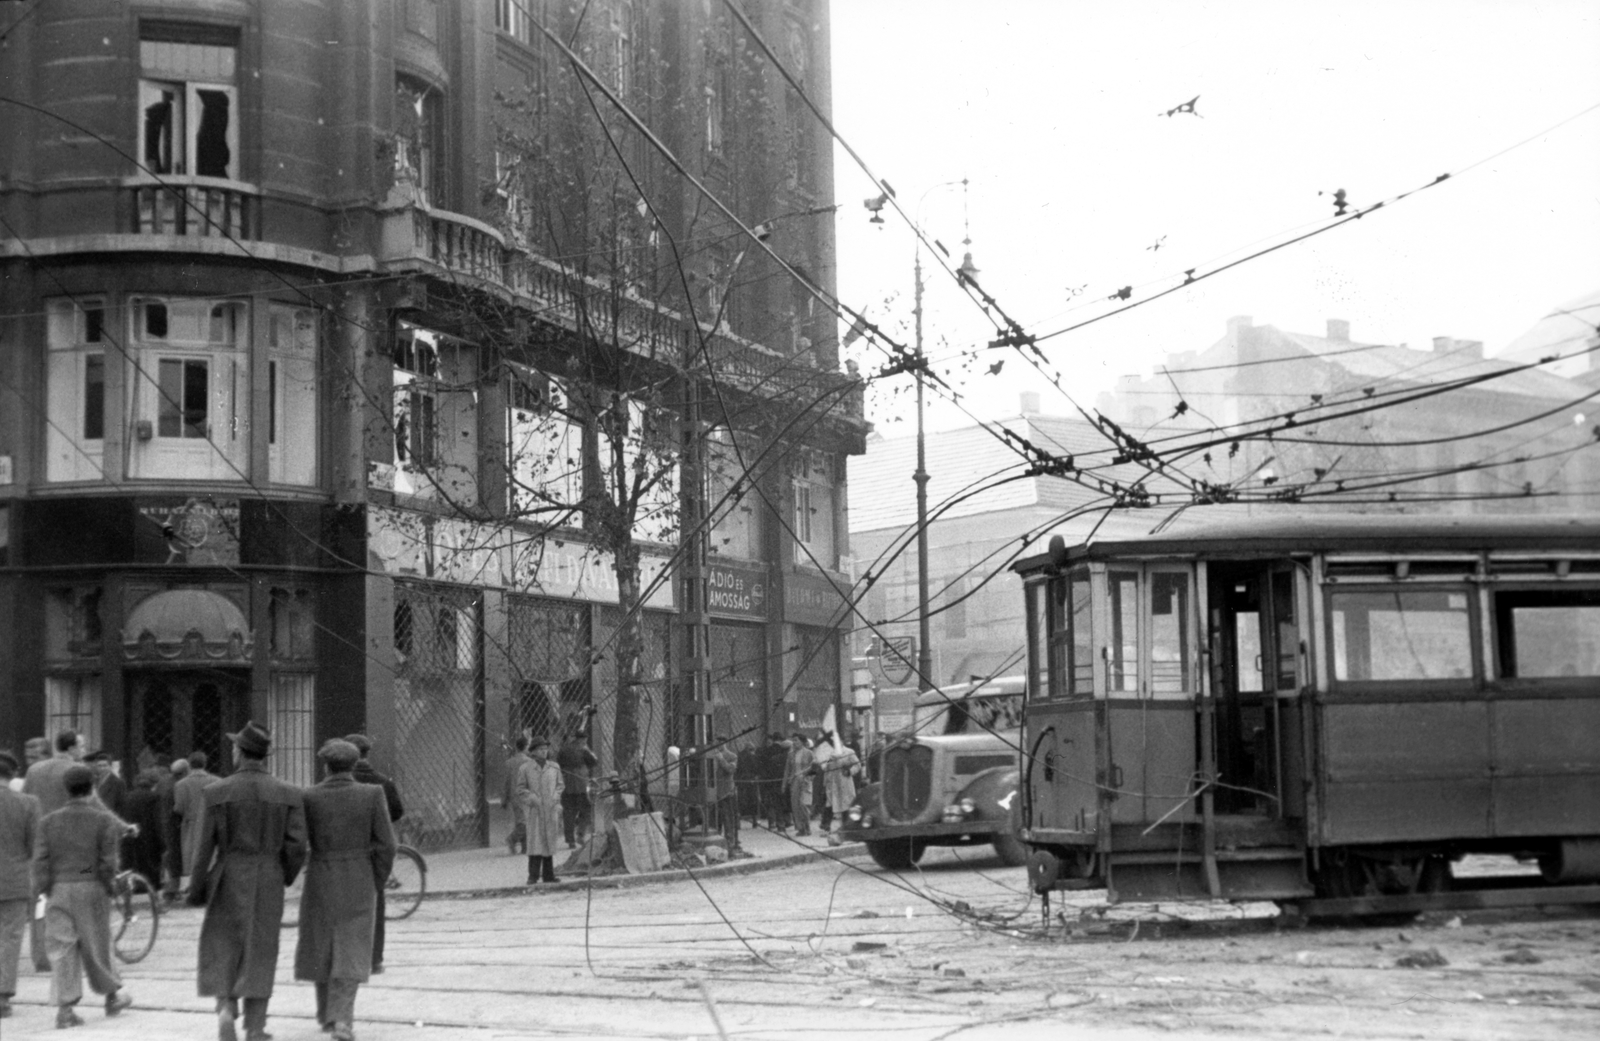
74,862
252,845
352,850
366,773
19,818
187,803
539,787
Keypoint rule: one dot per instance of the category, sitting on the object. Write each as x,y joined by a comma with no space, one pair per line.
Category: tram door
1254,625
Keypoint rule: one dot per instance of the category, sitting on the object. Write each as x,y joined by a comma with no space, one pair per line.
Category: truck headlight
968,807
853,814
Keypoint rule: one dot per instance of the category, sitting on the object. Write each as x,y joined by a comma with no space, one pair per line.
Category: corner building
312,313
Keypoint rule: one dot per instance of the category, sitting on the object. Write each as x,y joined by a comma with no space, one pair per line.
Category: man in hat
74,863
252,845
366,773
352,850
539,788
19,818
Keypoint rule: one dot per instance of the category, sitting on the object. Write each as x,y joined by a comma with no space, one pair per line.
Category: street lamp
967,271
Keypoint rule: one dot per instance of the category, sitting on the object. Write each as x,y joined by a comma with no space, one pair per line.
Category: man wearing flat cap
252,844
352,850
539,787
74,863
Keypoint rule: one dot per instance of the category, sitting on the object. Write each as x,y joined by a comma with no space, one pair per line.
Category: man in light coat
44,782
839,774
187,802
539,787
74,863
19,818
352,850
252,845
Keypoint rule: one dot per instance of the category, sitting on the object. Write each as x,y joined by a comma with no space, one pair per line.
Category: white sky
1050,107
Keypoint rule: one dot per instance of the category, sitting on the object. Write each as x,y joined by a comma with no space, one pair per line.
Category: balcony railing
199,206
461,247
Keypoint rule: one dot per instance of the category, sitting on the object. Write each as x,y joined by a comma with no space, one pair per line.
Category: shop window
190,399
188,101
75,416
292,404
1548,633
435,416
418,127
1401,634
545,445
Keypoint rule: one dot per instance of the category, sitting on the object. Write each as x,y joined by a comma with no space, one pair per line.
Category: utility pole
924,645
694,675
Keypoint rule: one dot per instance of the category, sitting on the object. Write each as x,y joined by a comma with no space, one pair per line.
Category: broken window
188,101
417,123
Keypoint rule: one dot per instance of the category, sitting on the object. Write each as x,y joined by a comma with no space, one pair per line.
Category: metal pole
924,648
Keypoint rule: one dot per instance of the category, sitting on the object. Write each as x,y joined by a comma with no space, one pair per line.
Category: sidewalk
492,871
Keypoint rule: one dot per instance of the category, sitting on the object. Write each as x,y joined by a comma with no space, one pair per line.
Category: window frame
1474,630
1498,625
156,75
71,452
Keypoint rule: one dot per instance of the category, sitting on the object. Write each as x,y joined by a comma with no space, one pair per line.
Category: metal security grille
438,703
739,683
549,656
655,697
818,687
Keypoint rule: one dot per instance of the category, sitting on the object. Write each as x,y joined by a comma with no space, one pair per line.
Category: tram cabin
1312,707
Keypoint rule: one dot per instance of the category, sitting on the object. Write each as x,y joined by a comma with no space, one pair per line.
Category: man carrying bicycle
74,864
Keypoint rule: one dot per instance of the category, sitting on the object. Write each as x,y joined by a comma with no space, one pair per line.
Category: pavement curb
751,866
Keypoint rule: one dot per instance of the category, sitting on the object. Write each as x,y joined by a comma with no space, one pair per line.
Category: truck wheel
895,854
1010,850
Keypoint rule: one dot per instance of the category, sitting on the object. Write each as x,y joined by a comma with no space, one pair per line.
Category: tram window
981,715
1401,634
1082,678
1122,665
1057,662
1169,632
1548,633
1288,647
1039,639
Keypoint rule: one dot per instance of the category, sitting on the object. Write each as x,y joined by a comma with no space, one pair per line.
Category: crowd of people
69,824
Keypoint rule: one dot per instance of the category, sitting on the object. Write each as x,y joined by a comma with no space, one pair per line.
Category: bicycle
137,914
408,881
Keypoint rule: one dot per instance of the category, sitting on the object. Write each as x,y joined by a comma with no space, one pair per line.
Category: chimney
1339,329
1030,402
1238,323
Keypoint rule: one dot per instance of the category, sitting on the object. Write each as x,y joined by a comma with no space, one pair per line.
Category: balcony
203,207
456,247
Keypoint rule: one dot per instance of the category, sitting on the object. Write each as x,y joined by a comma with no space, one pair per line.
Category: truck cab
949,779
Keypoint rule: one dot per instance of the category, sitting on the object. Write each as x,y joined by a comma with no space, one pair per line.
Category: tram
1326,711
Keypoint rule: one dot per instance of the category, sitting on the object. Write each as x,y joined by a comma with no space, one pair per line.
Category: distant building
1508,435
976,602
301,306
1570,333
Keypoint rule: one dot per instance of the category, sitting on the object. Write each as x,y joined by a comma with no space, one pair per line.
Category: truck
948,779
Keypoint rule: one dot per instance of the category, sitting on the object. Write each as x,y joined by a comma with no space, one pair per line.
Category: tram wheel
895,854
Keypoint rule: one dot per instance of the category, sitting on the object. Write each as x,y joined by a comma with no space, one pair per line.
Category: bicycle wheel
408,880
138,917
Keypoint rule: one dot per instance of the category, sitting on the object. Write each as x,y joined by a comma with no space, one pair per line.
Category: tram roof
1195,534
962,691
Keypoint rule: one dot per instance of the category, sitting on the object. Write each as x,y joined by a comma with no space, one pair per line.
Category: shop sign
573,569
814,600
178,530
736,592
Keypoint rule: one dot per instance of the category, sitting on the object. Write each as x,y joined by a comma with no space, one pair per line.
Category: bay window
435,415
292,410
811,493
649,459
545,444
190,398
